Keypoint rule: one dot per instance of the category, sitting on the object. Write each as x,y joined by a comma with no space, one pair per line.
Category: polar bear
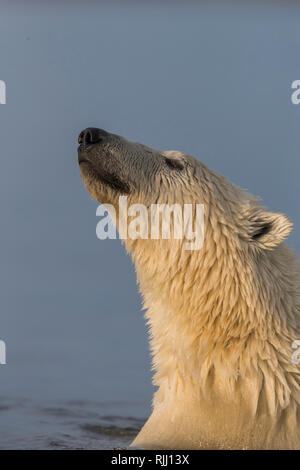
222,319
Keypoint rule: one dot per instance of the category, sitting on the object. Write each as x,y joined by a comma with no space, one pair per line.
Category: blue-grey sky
210,80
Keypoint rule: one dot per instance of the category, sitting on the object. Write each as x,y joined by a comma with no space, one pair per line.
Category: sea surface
67,425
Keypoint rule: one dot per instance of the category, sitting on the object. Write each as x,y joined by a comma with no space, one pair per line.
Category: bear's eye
174,164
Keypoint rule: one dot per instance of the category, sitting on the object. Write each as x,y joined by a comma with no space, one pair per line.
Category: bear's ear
268,229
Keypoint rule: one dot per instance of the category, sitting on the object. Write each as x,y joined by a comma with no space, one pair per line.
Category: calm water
67,425
213,81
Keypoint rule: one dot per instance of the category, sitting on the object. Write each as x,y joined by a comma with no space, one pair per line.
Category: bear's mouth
81,149
110,179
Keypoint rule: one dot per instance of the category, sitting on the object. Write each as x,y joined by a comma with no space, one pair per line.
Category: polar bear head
112,166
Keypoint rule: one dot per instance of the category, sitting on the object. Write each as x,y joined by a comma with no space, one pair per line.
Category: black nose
91,135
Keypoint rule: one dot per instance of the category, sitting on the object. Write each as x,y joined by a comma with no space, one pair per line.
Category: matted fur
222,320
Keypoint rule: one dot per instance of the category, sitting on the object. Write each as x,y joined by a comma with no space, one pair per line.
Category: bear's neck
219,343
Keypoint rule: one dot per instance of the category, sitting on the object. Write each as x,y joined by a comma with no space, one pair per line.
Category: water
211,80
67,425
